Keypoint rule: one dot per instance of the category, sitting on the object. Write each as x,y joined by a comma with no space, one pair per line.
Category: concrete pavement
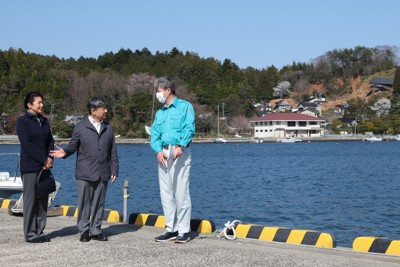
130,245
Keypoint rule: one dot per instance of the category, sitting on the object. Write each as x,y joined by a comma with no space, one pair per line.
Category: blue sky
257,33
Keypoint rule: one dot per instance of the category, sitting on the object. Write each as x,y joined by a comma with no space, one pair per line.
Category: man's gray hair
165,82
96,102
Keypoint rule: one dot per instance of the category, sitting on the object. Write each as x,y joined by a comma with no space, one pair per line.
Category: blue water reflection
348,188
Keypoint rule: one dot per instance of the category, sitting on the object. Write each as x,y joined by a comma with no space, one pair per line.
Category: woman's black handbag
45,184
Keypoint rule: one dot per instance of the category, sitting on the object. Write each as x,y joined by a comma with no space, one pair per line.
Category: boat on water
373,138
397,138
10,184
220,140
289,139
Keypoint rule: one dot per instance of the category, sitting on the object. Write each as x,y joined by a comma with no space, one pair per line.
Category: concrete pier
130,245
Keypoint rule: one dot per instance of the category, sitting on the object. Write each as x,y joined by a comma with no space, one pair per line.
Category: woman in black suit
36,140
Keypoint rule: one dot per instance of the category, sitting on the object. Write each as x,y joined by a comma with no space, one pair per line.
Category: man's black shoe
36,240
99,237
85,237
184,238
166,236
45,239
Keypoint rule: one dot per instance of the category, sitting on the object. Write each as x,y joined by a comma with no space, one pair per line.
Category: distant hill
357,88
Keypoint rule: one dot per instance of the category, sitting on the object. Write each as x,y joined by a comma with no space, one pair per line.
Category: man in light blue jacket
171,136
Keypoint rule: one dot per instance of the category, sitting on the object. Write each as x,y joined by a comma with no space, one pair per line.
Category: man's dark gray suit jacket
96,153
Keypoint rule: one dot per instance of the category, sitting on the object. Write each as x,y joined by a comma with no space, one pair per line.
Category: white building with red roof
287,124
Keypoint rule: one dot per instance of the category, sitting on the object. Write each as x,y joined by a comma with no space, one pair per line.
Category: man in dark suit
96,163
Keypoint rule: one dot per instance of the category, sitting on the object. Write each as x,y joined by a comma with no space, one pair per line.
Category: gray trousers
91,198
174,192
34,209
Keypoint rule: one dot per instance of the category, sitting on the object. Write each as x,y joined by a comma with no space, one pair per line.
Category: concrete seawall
130,245
13,139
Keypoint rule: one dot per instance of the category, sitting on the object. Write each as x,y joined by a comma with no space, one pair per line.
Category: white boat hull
289,140
220,140
10,187
373,139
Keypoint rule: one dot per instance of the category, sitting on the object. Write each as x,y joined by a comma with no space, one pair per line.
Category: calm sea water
348,189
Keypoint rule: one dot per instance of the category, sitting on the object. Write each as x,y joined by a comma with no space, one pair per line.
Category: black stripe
310,238
380,245
151,220
133,217
1,201
212,226
255,231
106,214
71,211
194,224
282,235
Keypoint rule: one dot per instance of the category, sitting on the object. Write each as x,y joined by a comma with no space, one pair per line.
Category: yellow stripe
5,204
394,248
363,244
268,233
113,216
325,240
141,219
205,227
64,210
296,236
242,230
76,212
160,222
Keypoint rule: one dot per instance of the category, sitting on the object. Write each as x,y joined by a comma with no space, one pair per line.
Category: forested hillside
125,78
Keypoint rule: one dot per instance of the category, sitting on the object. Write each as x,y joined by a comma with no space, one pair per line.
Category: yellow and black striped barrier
7,203
285,235
109,215
376,245
196,225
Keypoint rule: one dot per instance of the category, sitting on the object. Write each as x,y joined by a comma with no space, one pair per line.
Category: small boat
397,138
373,138
220,140
10,184
289,139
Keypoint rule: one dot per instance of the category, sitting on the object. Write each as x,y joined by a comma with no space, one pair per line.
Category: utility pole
218,121
51,114
223,111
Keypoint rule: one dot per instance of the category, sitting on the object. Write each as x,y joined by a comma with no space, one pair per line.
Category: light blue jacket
173,125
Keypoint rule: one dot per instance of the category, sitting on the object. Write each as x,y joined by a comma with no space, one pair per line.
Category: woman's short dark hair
95,103
30,98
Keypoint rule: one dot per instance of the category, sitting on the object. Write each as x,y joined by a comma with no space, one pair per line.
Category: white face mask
160,97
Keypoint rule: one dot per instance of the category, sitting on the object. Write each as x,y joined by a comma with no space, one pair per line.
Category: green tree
396,82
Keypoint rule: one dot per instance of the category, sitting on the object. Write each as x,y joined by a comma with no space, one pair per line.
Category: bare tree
282,89
382,107
140,81
114,87
240,123
78,92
